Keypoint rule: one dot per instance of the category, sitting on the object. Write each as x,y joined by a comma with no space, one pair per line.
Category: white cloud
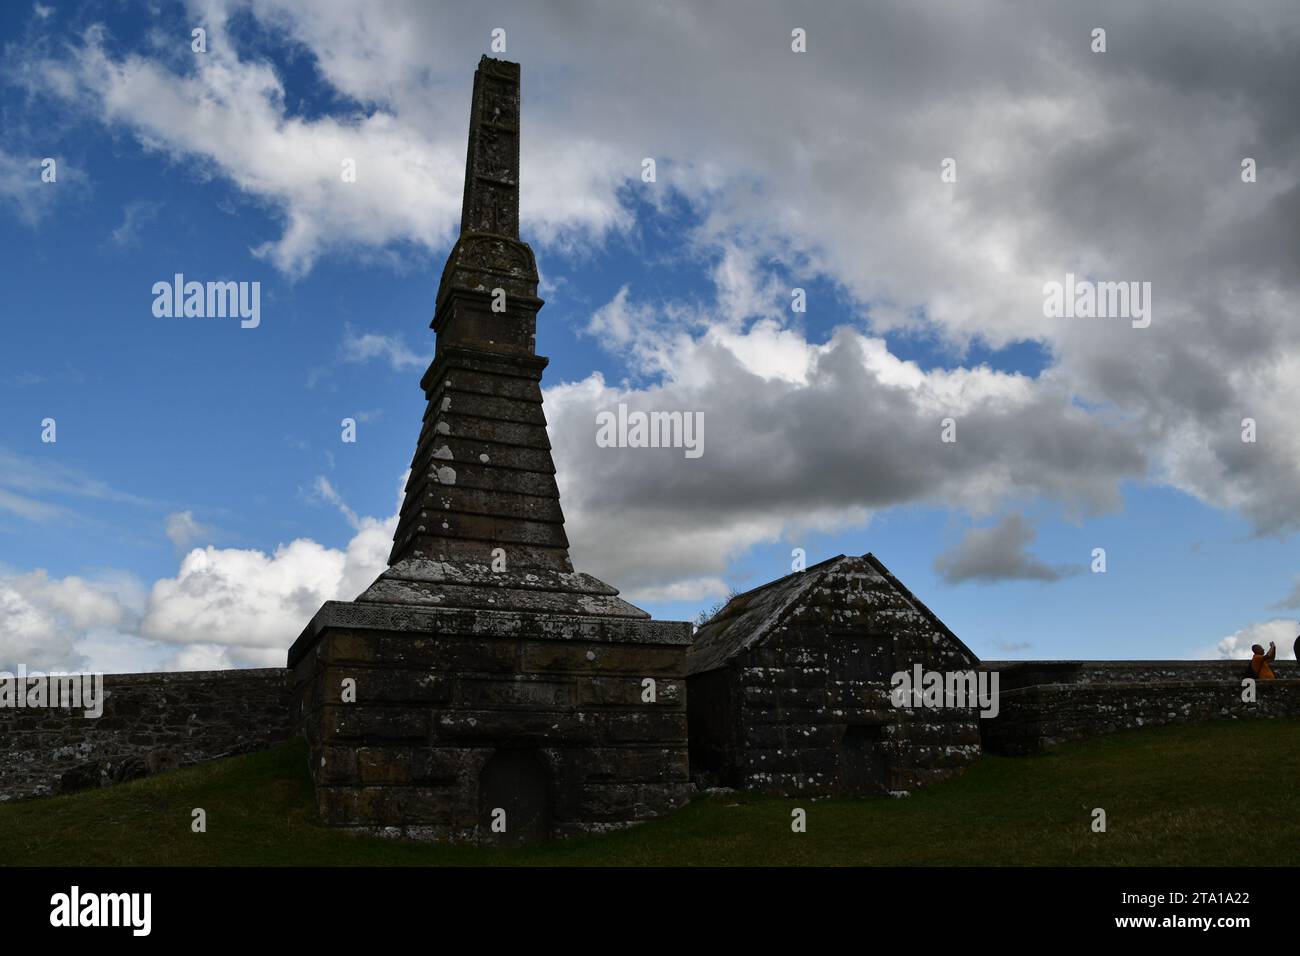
254,604
23,379
43,476
41,618
1280,631
183,530
22,189
696,589
828,163
135,215
30,509
120,652
229,115
802,436
224,607
39,489
202,657
357,349
372,345
1060,168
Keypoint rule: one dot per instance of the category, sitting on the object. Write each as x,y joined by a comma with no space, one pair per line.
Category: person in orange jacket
1260,662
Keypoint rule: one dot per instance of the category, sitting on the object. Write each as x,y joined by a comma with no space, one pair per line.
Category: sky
913,174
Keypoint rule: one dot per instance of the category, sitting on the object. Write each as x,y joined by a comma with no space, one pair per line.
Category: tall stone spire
491,202
491,677
482,477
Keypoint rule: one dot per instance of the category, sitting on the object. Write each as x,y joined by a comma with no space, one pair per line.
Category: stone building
481,685
788,687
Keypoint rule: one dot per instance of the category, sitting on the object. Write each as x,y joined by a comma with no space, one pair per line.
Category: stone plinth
539,709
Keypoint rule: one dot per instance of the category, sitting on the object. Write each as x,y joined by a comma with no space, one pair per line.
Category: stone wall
813,719
782,717
150,722
1045,703
1014,674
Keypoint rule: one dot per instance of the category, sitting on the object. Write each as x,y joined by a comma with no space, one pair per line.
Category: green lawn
1220,793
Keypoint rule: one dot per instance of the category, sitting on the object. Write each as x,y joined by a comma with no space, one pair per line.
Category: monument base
491,726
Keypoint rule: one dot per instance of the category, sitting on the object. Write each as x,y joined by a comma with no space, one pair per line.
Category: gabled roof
920,605
747,619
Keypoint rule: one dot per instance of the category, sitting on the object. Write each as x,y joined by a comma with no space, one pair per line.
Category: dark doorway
864,766
514,781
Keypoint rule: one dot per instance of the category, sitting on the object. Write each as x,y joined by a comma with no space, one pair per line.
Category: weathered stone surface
397,591
504,404
1036,717
491,202
428,718
481,501
438,475
151,723
419,623
1015,674
788,687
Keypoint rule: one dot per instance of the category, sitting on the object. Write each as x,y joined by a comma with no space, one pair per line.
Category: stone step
450,449
482,575
471,427
471,474
414,626
435,498
469,551
390,591
503,531
456,360
495,408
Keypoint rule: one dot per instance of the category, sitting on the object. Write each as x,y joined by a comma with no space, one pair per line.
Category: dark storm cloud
997,553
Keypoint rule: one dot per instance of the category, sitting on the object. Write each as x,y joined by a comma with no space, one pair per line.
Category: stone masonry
1045,703
150,723
789,687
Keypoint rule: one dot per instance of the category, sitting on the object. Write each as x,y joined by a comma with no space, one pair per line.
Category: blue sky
230,437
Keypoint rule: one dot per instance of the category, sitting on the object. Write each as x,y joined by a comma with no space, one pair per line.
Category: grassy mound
1212,794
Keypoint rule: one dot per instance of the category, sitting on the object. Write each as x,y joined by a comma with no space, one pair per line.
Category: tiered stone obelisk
480,689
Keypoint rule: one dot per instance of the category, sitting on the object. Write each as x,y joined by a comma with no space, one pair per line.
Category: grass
1220,793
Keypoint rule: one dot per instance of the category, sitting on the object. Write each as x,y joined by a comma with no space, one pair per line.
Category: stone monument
480,689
